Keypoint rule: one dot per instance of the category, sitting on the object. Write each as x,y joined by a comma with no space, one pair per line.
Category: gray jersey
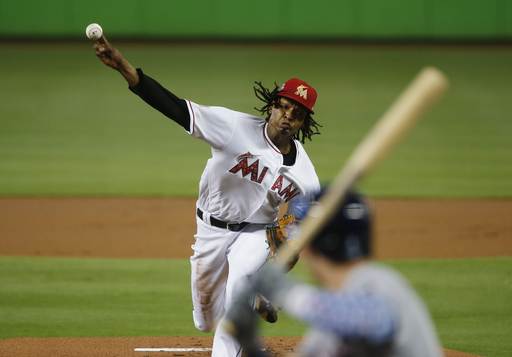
375,313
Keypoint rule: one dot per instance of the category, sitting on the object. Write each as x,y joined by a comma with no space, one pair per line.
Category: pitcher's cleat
265,309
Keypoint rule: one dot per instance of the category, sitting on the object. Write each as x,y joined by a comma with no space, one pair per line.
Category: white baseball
94,31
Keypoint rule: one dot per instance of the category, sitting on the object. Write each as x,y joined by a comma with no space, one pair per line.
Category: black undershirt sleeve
154,94
162,100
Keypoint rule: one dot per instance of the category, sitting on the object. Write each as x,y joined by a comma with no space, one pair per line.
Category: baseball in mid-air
94,31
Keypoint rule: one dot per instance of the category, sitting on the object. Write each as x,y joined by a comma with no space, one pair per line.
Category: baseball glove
280,231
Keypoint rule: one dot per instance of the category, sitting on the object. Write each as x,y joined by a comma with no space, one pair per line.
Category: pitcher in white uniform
256,165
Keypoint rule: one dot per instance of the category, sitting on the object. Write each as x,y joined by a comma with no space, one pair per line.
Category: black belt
235,227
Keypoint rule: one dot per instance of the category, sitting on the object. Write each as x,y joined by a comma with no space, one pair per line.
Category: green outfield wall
262,19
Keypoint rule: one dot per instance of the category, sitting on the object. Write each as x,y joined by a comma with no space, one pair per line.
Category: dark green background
263,19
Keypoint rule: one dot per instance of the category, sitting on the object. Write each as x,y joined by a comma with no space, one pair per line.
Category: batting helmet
347,236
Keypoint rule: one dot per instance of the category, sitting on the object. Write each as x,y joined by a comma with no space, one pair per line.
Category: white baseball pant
221,264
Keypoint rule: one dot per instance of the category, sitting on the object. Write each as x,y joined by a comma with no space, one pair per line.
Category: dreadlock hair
270,98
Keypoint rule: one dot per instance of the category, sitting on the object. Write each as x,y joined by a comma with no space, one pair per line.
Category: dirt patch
109,347
164,228
141,347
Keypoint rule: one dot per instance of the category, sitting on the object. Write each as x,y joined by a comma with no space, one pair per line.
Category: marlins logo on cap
299,91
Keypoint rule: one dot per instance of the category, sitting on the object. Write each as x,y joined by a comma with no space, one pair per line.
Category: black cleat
266,310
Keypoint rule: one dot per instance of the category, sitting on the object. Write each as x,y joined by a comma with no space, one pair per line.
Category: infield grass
70,126
90,297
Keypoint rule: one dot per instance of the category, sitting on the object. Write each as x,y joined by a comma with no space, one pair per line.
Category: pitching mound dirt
140,347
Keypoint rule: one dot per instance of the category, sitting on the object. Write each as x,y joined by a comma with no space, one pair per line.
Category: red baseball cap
299,91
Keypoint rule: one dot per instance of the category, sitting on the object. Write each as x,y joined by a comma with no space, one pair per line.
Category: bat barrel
419,96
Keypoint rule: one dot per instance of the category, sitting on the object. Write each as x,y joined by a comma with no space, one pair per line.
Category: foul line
172,349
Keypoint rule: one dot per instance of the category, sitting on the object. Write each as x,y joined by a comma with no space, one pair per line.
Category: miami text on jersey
286,193
252,169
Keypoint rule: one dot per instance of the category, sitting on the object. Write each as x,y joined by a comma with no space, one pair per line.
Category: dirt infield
139,347
164,228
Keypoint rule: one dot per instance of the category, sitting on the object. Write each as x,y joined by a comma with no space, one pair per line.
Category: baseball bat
419,96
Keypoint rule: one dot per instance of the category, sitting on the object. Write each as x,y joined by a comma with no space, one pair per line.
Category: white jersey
245,179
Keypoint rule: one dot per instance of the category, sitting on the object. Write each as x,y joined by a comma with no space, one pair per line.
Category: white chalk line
173,349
